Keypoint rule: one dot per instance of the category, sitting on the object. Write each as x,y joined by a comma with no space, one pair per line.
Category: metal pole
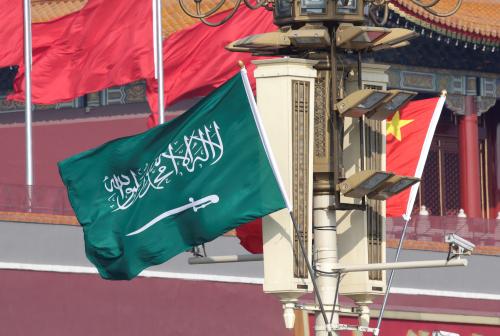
159,62
325,256
225,259
402,265
27,103
391,276
324,221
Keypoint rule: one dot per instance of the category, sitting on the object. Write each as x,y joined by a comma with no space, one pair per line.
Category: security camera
458,245
444,333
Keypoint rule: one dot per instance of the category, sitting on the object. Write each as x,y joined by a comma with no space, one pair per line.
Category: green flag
143,199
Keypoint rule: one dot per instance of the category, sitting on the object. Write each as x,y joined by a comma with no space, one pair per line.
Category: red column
468,136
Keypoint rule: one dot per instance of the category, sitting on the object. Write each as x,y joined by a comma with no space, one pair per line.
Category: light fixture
266,41
273,41
394,39
390,46
363,183
394,102
360,102
392,186
309,38
359,37
283,9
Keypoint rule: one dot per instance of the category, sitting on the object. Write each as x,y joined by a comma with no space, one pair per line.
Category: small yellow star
394,126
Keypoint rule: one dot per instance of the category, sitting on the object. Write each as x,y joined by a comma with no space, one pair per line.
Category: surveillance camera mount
458,246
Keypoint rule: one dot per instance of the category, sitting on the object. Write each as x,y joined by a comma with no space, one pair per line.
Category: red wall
48,304
55,141
391,327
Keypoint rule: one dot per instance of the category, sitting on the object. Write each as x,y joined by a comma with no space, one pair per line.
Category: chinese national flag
11,32
406,133
196,62
250,235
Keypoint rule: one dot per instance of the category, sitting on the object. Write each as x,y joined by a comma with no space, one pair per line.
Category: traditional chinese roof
174,18
48,10
432,50
477,21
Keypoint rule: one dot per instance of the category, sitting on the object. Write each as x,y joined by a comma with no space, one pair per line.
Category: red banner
107,43
11,32
406,132
196,62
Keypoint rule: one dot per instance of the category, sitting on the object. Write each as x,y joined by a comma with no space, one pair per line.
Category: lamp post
320,30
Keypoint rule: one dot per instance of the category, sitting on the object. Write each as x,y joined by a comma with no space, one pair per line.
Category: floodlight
395,38
360,102
392,186
363,183
395,101
273,41
266,41
309,38
359,37
390,46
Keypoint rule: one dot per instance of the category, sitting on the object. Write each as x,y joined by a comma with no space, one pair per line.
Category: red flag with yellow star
409,134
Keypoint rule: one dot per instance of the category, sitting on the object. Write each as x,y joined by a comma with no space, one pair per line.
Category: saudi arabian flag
143,199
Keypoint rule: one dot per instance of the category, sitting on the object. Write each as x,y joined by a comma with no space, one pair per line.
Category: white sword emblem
196,205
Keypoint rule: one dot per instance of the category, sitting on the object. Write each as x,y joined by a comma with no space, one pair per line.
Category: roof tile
480,19
174,19
48,10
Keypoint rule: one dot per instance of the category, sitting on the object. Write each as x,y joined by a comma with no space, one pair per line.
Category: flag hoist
27,104
158,57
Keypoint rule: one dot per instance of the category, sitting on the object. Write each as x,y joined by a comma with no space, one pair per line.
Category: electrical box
285,96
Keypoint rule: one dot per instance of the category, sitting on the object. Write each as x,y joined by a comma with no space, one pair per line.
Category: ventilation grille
374,137
300,136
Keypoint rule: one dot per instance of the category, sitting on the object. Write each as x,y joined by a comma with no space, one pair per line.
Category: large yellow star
394,126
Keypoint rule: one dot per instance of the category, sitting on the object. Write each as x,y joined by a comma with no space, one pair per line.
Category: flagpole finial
444,93
241,64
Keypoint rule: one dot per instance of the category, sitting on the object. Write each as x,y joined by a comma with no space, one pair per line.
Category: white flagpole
158,46
155,40
263,135
413,194
27,103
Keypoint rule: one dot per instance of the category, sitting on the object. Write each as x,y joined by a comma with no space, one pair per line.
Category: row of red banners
110,43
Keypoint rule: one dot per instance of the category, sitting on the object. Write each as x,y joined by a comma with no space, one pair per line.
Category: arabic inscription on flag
203,146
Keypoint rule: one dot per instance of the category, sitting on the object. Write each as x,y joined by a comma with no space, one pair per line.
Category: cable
428,8
340,276
224,20
374,17
198,15
450,13
421,4
260,3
